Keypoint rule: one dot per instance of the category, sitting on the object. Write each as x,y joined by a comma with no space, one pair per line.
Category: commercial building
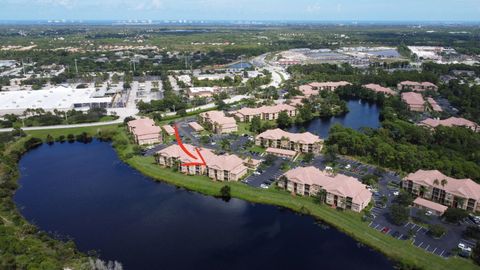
414,101
437,187
58,98
379,89
145,131
218,167
264,112
217,122
299,142
203,91
338,190
417,86
450,122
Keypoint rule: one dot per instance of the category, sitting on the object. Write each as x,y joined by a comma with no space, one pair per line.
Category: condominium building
217,122
144,131
264,112
417,86
414,101
338,190
379,89
450,122
437,187
299,142
329,86
218,167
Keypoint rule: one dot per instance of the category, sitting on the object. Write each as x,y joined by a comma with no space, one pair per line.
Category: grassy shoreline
403,252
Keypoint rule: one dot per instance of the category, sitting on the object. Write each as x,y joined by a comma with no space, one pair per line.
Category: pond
85,192
361,114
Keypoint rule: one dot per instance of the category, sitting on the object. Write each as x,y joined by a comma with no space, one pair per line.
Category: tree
437,230
476,253
255,124
225,193
454,215
283,120
320,196
308,157
404,199
398,214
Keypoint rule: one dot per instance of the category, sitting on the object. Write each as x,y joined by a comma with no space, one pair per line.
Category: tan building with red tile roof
379,89
169,130
436,208
435,186
417,86
450,122
414,101
195,126
218,167
264,112
217,122
340,190
434,105
307,90
329,86
145,131
300,142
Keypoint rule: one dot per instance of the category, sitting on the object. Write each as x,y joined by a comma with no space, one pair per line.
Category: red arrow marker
184,149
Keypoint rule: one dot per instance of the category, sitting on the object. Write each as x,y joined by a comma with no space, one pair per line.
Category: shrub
225,193
437,230
454,215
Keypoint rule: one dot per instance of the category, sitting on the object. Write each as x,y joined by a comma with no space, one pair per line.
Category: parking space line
419,229
442,252
420,244
413,242
434,250
370,223
400,237
427,247
377,226
408,223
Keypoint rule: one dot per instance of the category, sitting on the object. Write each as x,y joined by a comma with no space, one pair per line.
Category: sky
319,10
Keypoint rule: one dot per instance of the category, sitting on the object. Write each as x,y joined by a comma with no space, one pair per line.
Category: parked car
264,186
428,213
385,230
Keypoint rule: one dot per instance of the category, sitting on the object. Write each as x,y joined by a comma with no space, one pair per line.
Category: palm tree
422,190
321,196
436,182
444,182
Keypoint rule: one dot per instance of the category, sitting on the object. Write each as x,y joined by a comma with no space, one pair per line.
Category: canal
85,192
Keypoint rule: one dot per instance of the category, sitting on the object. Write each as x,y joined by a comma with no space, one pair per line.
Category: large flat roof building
60,98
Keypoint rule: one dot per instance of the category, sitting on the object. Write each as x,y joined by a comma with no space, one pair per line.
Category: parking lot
267,176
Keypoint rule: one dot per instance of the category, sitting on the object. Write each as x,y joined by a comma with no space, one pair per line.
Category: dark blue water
84,191
361,114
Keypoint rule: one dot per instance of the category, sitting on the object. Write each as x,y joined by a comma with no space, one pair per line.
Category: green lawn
75,131
244,128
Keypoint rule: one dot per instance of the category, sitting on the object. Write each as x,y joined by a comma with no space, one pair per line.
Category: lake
361,114
85,192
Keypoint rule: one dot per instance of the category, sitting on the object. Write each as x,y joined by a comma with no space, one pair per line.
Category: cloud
148,5
62,3
315,8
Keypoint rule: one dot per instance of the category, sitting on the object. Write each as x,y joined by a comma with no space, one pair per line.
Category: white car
428,213
264,186
256,173
348,166
462,246
396,193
